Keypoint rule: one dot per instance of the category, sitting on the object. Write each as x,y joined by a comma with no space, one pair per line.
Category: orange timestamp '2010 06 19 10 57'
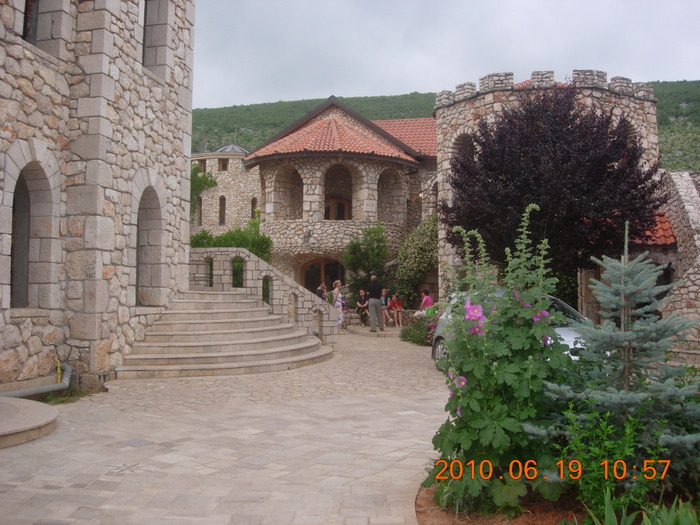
617,469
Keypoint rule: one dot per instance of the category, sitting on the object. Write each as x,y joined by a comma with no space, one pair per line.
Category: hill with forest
250,126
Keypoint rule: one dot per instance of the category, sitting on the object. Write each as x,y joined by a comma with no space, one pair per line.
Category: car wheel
439,352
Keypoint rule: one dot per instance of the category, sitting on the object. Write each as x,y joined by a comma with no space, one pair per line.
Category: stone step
202,295
207,304
278,352
224,335
239,368
222,313
22,420
198,347
184,323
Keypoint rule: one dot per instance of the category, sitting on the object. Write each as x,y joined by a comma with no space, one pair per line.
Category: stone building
332,174
236,196
95,104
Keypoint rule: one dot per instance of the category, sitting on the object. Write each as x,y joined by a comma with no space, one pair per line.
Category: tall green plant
418,255
502,350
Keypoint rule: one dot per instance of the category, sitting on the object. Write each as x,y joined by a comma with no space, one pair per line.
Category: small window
337,210
222,210
198,212
223,164
253,208
202,165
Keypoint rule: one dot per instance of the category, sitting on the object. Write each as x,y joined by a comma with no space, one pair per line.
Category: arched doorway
321,269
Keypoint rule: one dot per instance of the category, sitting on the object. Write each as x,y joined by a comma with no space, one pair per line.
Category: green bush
248,237
418,255
418,332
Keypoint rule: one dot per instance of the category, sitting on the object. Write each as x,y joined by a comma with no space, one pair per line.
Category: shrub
418,332
418,255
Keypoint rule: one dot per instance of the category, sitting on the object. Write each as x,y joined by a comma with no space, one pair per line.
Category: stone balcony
327,238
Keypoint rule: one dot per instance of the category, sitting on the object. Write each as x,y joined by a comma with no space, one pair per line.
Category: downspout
63,373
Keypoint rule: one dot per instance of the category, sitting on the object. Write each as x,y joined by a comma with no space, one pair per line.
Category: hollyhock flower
459,411
477,330
474,311
460,381
539,315
546,340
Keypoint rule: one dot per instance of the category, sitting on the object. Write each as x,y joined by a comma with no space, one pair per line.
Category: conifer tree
623,373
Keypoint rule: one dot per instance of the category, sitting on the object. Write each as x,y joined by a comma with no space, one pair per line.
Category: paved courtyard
346,441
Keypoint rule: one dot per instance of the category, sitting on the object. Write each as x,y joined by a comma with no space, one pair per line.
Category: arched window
222,210
19,265
31,21
338,194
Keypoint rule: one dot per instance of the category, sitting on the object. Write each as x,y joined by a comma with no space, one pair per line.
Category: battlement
582,78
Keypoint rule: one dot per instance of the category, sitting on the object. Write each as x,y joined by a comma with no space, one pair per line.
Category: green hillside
251,125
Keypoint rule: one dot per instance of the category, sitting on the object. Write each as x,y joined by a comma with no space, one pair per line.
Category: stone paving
346,441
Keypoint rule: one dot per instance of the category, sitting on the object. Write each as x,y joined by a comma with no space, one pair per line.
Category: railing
219,269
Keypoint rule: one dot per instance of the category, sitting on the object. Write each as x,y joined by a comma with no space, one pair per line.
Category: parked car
568,335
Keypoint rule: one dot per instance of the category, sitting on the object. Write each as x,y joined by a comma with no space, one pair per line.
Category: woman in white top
338,303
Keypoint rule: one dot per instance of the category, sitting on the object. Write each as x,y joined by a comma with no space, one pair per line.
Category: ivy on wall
417,256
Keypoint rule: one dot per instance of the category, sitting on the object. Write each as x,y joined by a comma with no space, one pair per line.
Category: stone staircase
220,333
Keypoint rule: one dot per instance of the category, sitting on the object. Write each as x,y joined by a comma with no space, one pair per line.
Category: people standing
375,310
396,307
338,303
321,290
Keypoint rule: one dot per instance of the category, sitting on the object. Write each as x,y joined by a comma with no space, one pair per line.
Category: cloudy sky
252,51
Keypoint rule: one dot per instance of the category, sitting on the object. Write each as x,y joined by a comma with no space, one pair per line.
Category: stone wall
96,137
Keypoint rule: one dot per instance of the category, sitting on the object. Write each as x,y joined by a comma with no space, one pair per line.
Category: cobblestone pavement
346,441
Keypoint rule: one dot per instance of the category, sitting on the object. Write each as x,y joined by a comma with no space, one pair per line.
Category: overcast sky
252,51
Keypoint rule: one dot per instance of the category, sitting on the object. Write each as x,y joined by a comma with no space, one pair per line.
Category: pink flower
474,311
539,315
460,381
477,330
459,411
546,340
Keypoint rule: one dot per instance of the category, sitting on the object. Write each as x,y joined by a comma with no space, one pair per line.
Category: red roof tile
662,234
420,134
329,135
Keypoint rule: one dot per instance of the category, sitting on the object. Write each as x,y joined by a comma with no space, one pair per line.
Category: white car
568,335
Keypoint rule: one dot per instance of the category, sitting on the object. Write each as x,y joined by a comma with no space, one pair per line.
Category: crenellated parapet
582,78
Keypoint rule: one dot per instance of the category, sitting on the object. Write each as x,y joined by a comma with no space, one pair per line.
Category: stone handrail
211,269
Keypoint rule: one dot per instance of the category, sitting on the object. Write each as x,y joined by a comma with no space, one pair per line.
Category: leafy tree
366,255
198,183
579,166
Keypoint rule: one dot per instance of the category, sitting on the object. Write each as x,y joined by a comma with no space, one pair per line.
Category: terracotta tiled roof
662,234
329,135
419,134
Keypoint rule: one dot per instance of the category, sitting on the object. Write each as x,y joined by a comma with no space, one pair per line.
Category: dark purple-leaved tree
582,168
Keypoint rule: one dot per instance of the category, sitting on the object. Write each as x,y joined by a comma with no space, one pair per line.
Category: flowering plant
500,352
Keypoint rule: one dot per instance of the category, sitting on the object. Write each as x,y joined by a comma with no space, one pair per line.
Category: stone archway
151,271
